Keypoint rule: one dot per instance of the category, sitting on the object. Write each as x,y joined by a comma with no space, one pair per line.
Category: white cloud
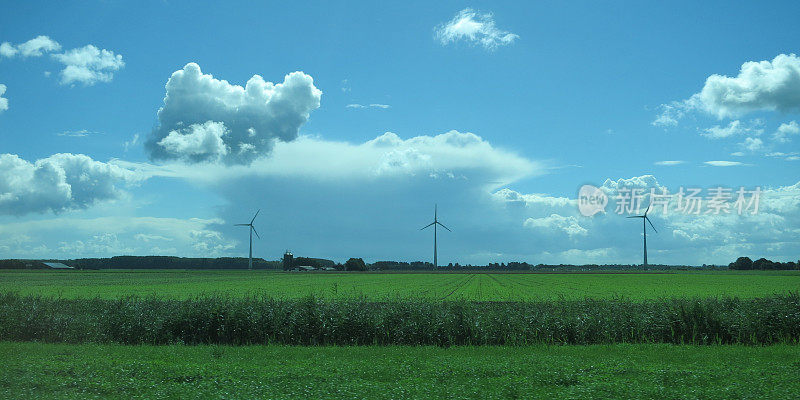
790,156
374,105
144,237
3,101
724,163
762,85
557,223
7,50
110,236
198,142
32,48
752,144
476,28
255,116
533,200
669,163
644,182
88,65
737,154
759,86
783,154
79,133
682,238
451,155
782,135
130,143
57,183
735,127
670,114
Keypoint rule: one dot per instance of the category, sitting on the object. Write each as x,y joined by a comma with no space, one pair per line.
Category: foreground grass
464,286
33,370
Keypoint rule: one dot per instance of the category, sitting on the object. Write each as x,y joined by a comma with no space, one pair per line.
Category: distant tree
355,264
741,263
763,263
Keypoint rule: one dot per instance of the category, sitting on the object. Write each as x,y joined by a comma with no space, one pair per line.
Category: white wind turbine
644,229
252,229
434,223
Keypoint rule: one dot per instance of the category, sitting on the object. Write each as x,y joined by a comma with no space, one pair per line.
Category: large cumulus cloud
205,119
57,183
759,86
451,155
369,199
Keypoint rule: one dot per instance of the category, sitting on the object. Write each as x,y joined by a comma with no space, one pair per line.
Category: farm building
299,268
57,265
32,264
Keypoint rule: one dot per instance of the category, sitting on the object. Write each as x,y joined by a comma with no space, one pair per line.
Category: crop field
41,371
260,334
393,286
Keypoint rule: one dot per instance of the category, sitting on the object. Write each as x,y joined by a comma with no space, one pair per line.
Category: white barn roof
55,265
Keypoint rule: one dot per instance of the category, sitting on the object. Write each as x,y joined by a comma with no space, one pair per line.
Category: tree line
358,264
745,263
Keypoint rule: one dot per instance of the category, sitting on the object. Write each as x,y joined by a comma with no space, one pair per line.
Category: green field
246,307
381,286
39,371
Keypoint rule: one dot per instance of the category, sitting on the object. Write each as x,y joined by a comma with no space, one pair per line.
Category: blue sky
497,111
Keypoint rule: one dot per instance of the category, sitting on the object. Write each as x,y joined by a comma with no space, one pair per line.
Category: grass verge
41,371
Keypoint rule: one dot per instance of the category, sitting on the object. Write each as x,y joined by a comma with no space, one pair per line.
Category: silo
288,260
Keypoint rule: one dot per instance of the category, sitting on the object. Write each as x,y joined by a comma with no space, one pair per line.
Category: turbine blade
648,208
651,224
241,224
442,225
255,231
635,216
254,216
427,225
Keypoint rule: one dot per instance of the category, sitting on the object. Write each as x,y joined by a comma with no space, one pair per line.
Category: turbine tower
252,229
644,230
434,223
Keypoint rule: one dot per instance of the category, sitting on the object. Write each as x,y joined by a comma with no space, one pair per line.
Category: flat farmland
181,284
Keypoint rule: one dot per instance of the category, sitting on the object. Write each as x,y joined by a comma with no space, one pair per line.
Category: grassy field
244,307
41,371
378,286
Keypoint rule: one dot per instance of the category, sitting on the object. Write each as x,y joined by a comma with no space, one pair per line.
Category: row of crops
392,286
238,320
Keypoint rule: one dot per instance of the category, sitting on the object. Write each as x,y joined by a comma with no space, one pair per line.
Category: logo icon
591,200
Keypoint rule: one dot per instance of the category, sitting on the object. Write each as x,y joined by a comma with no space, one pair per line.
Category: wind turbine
644,229
252,229
434,223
